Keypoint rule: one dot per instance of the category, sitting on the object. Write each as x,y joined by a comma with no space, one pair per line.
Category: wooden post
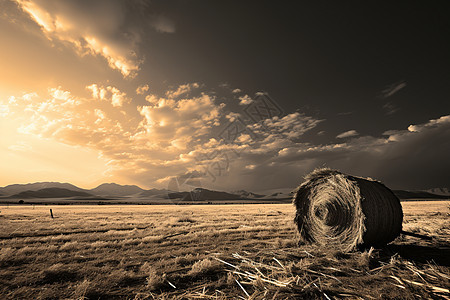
51,213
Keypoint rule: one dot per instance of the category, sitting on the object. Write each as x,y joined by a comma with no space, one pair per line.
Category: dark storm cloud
416,158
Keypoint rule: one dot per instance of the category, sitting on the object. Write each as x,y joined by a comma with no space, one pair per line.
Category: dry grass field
210,252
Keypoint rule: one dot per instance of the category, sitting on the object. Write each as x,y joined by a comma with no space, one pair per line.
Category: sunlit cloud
245,100
4,110
347,134
431,123
21,147
165,138
108,93
142,89
182,90
93,30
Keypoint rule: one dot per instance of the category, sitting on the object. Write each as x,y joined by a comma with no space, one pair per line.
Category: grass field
210,252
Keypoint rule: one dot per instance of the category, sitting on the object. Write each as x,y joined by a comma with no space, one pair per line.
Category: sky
229,95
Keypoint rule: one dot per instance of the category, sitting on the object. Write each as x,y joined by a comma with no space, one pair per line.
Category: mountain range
440,191
418,195
200,194
51,193
113,190
18,188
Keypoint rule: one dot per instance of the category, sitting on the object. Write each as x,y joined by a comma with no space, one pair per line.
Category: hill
417,195
163,193
18,188
114,189
50,193
204,194
55,190
440,191
246,194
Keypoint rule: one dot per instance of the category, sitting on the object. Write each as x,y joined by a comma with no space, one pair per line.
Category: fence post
51,213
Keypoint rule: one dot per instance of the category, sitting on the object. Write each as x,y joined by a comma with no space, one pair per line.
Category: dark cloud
393,89
163,24
390,108
415,158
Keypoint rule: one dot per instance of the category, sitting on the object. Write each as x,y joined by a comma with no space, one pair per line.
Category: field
210,252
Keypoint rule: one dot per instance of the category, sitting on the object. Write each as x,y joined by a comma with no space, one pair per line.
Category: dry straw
343,211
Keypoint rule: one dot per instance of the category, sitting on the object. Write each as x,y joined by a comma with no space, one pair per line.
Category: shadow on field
439,255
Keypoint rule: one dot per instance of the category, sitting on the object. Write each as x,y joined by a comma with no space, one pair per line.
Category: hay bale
343,211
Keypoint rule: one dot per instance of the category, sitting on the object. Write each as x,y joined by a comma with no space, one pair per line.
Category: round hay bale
343,211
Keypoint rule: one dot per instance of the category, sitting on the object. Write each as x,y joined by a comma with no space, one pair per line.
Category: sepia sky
225,95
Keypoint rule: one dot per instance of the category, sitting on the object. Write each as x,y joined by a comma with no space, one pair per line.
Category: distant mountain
279,195
114,189
155,193
204,194
284,194
18,188
57,190
246,194
440,191
417,195
50,193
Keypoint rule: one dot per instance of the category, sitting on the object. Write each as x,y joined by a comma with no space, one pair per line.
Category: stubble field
210,252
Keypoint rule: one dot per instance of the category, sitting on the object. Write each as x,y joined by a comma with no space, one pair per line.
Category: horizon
104,183
158,94
192,188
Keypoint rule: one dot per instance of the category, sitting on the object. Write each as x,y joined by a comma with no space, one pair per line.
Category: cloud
232,116
108,93
168,137
21,147
176,123
413,128
393,89
389,91
154,142
414,158
291,126
347,134
163,24
432,123
142,89
245,100
99,28
346,113
4,110
182,90
117,97
390,108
